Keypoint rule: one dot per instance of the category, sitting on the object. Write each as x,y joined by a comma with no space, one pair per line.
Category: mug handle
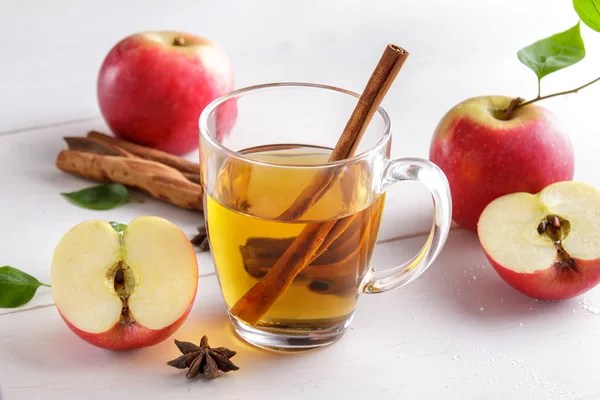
430,175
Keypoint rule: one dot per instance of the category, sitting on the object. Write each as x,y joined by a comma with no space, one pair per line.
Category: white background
457,332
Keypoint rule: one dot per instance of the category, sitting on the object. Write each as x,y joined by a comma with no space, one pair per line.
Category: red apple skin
485,158
151,92
552,283
130,337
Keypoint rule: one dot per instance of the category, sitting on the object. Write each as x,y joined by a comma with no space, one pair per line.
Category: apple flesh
545,245
124,290
152,87
485,157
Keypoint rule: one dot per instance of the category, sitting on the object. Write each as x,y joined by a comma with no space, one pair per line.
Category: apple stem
538,98
511,107
179,41
45,284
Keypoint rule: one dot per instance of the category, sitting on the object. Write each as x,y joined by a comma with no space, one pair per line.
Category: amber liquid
246,240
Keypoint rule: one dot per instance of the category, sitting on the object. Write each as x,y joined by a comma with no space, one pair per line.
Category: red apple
545,245
152,87
485,157
124,290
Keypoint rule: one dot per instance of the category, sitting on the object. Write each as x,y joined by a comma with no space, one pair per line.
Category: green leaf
117,226
589,12
101,197
554,53
16,287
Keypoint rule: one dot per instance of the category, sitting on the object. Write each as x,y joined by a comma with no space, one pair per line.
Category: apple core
123,280
557,229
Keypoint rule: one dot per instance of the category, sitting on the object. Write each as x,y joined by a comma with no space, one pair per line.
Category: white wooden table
457,332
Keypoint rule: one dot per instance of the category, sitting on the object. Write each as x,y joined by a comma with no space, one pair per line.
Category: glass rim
212,106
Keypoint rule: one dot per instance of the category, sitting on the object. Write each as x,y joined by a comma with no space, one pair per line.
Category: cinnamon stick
195,178
99,143
261,297
334,271
265,249
147,153
382,78
155,179
92,146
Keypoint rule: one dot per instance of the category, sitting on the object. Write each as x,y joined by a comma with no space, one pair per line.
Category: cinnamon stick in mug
316,237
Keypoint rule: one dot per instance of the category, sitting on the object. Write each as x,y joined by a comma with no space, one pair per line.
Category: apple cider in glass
247,236
293,205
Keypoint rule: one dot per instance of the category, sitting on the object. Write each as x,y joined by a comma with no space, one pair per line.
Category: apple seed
555,222
542,227
119,277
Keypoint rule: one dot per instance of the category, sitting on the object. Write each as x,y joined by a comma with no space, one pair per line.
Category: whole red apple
485,157
152,87
545,245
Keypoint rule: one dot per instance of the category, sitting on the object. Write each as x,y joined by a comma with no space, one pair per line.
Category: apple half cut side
124,290
545,245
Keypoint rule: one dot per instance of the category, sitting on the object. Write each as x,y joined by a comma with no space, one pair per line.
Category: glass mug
255,165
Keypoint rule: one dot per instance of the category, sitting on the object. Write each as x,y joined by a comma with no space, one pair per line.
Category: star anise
203,359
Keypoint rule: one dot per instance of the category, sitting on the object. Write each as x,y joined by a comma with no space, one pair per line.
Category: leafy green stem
538,98
539,88
45,284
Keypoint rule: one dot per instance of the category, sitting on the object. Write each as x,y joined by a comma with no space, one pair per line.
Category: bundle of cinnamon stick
102,158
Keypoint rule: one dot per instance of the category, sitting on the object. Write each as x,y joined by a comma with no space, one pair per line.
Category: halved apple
546,245
128,289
